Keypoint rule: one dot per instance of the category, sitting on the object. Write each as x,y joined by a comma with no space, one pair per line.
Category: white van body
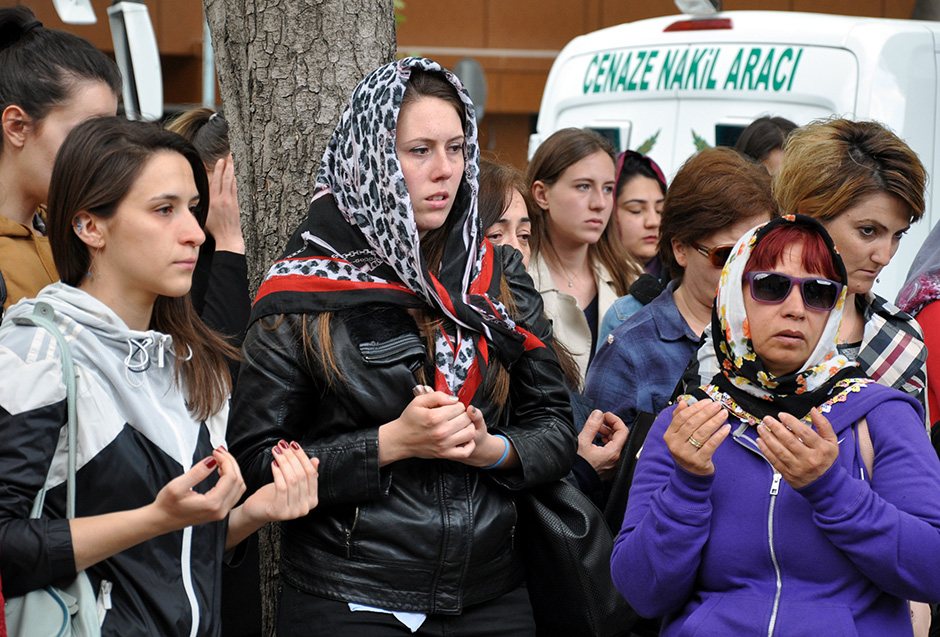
669,92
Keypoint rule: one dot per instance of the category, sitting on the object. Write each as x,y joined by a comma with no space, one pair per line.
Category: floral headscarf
743,384
359,244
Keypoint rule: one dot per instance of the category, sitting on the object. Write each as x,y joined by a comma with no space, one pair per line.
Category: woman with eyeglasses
715,198
755,507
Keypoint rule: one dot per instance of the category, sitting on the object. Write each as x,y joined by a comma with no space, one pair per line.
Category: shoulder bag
71,611
566,547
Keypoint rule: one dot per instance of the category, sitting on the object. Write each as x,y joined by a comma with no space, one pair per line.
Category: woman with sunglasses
715,198
753,509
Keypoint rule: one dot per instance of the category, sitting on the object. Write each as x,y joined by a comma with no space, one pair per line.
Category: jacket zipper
774,489
104,600
349,531
515,521
187,543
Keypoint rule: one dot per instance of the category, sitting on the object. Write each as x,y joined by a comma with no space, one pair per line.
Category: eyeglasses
774,287
717,255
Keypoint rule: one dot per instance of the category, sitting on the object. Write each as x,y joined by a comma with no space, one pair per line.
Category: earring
78,226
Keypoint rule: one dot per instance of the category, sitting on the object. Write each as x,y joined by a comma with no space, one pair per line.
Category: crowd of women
443,333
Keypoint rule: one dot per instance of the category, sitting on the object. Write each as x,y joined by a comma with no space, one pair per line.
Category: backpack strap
42,317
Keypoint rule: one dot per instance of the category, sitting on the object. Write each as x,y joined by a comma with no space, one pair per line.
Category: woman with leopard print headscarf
407,353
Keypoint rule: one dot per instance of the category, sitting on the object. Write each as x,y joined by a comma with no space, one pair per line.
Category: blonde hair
831,165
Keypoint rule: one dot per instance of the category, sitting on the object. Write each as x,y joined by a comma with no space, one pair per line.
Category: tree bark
286,69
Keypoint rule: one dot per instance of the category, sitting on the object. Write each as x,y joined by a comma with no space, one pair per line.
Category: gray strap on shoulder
42,317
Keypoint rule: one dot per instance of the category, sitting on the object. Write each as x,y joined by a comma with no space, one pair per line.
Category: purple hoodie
740,552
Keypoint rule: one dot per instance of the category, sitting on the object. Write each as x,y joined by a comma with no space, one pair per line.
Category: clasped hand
795,450
437,425
293,492
694,434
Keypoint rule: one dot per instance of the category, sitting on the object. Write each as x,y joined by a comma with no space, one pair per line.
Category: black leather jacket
417,535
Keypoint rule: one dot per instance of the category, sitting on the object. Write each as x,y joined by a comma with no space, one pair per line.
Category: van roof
765,27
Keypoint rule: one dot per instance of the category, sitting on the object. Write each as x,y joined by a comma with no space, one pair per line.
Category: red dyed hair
817,257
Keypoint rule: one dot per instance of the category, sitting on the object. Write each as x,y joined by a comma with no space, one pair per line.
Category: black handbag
623,477
566,545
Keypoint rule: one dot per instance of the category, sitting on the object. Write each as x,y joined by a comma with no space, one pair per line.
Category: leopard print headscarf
372,253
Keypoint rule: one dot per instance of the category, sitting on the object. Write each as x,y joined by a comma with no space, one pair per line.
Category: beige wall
514,40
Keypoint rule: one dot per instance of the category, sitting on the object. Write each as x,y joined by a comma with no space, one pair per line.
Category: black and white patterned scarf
359,244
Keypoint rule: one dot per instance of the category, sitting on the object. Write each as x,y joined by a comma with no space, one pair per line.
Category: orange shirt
25,261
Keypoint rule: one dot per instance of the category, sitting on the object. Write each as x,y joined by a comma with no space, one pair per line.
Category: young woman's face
867,235
579,202
639,211
150,245
88,99
513,228
429,142
785,334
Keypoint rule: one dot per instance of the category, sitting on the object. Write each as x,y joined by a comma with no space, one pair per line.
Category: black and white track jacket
134,435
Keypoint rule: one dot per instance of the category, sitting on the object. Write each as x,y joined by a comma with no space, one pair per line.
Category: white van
670,86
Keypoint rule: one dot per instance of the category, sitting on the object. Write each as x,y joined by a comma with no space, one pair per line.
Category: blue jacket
740,552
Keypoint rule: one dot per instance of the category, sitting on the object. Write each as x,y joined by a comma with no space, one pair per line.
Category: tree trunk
286,69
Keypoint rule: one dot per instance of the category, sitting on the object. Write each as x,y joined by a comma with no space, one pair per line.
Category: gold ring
695,443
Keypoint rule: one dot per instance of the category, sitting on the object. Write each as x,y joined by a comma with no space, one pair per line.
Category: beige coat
568,321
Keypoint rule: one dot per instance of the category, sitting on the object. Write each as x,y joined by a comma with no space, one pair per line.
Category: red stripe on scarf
531,340
481,284
444,295
307,283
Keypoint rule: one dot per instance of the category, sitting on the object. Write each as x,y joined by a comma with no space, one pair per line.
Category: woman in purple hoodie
753,509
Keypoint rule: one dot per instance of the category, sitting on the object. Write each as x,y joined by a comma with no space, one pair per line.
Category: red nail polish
283,444
275,463
211,462
295,446
277,450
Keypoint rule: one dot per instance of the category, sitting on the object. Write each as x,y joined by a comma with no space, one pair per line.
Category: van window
727,134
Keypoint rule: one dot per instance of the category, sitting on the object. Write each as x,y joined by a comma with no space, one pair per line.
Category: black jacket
417,535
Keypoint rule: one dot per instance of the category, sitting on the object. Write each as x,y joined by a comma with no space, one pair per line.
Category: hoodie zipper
187,543
774,489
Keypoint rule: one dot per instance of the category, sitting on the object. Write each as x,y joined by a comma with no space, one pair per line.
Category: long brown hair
96,167
556,154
